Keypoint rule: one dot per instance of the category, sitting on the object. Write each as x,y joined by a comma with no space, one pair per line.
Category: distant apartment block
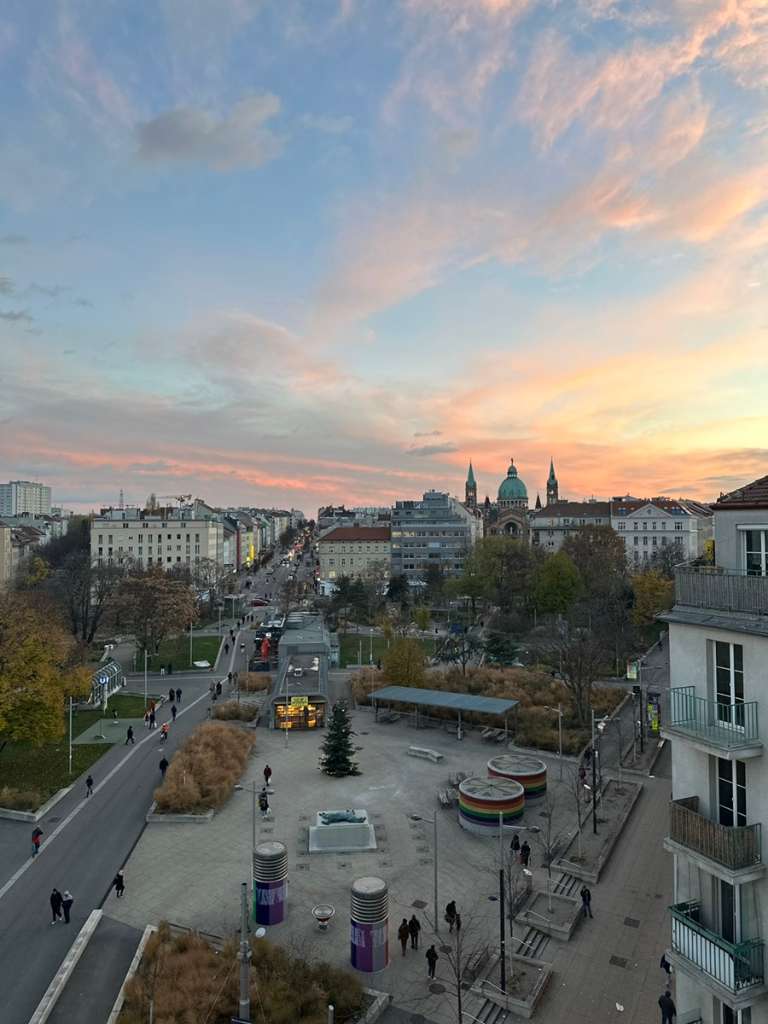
550,526
648,524
161,538
436,531
22,497
359,552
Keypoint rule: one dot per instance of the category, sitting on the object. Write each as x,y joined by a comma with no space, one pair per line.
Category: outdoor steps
490,1013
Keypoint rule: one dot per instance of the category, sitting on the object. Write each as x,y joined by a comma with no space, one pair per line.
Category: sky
293,252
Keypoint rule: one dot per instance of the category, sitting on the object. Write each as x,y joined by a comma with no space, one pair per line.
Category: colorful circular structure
481,801
369,925
270,888
530,772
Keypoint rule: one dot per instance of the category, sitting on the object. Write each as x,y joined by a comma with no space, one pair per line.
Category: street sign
299,702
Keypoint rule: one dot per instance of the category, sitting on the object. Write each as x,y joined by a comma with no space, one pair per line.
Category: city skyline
300,254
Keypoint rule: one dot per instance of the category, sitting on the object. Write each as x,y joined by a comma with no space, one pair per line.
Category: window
645,525
729,684
756,552
732,792
655,541
654,525
645,540
621,526
678,526
637,541
636,526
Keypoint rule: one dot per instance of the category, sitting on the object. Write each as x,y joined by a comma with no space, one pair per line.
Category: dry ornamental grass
203,773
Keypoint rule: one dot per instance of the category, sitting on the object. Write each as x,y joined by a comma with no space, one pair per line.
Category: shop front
300,712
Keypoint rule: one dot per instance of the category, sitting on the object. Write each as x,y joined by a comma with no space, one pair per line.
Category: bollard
270,868
369,925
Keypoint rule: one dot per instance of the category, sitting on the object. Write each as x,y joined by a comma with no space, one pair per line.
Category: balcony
723,730
735,969
710,587
733,854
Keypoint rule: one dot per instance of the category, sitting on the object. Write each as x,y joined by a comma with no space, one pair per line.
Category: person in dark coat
56,901
514,846
264,803
267,774
178,695
66,904
586,901
174,711
218,688
668,1008
432,959
37,835
89,786
163,766
129,736
171,694
525,854
414,928
665,965
152,722
403,933
450,914
119,883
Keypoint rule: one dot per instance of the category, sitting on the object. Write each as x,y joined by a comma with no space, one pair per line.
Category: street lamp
433,822
502,923
559,712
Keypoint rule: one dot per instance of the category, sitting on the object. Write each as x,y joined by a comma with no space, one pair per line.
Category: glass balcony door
729,684
756,552
731,792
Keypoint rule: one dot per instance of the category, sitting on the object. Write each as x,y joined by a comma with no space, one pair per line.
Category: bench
426,753
489,734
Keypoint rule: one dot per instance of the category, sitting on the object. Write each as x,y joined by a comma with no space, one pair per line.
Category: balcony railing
711,587
727,726
735,966
735,848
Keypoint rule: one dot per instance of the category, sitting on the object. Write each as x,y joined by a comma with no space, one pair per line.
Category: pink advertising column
270,868
369,931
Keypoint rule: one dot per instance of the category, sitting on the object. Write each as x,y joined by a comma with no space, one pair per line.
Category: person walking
119,883
163,766
152,722
403,933
164,731
586,901
37,835
174,711
89,786
66,904
450,914
264,803
218,688
171,694
668,1008
146,719
413,929
226,648
56,901
432,958
666,966
129,736
514,846
267,775
178,695
525,854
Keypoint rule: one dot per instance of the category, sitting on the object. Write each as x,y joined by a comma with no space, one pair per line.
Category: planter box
153,818
560,924
591,870
530,978
34,816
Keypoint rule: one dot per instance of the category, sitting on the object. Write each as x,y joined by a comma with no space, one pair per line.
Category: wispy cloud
7,287
15,316
432,449
14,239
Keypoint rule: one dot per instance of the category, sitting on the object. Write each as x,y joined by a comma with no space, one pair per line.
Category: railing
736,966
711,587
725,725
734,848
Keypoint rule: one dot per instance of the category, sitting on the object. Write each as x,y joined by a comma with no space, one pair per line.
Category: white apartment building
716,722
646,525
20,497
355,551
164,538
550,526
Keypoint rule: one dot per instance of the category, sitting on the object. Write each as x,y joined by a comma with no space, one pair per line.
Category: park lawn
176,652
349,648
127,705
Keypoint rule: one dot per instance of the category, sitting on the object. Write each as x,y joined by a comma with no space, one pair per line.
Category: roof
671,506
470,475
369,533
754,495
443,699
512,487
584,509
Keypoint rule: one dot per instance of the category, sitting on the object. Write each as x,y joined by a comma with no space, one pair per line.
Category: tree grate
618,961
631,922
419,904
436,988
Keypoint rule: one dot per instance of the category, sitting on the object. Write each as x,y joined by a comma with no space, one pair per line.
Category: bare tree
578,654
550,839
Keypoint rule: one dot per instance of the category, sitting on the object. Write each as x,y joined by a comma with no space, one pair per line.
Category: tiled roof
369,533
754,495
579,509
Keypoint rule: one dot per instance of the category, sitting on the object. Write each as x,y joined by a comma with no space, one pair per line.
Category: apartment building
550,526
438,530
716,722
355,551
648,524
19,497
162,538
331,516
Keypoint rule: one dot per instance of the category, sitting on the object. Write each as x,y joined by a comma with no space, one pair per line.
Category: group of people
521,853
61,905
409,930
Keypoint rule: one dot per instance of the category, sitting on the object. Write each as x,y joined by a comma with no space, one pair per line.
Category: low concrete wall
134,966
153,818
34,816
68,964
593,875
381,1001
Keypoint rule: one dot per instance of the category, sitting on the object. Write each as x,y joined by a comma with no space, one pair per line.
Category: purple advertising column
270,867
369,925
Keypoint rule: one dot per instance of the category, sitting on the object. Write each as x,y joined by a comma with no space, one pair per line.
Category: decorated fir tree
337,752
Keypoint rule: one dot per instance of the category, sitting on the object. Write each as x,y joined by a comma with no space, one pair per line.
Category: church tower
552,488
470,490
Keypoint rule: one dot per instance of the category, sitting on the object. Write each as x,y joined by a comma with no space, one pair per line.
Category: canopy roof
443,699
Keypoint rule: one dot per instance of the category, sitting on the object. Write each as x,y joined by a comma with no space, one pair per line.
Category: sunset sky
290,252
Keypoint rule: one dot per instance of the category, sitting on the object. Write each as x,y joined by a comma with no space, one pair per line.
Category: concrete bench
426,753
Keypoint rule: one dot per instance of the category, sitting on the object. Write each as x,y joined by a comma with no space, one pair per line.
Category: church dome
512,487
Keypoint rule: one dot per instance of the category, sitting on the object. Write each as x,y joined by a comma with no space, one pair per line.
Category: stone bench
426,753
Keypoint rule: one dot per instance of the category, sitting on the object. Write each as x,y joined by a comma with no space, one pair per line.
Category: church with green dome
509,514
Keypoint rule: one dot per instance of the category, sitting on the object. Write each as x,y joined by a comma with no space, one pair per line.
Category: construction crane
182,499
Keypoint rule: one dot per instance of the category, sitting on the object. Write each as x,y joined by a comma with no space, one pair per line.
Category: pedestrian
162,670
586,901
129,736
171,694
267,775
226,648
212,689
56,901
458,923
668,1008
174,711
582,775
163,766
178,695
152,722
37,835
66,904
514,846
525,853
665,965
89,786
414,928
146,719
403,934
432,959
119,883
450,914
264,803
218,688
164,731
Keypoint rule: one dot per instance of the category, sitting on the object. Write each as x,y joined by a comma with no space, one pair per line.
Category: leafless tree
550,839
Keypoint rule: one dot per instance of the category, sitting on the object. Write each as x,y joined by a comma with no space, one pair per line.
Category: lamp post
190,644
433,822
559,712
594,776
502,922
70,735
146,698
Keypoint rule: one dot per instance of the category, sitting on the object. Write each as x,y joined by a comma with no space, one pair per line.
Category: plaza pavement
190,874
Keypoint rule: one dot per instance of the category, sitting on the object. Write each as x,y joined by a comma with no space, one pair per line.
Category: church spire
538,501
470,490
552,485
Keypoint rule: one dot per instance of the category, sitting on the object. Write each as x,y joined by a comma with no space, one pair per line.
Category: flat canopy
442,699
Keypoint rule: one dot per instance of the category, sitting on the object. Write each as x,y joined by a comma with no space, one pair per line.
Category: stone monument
341,831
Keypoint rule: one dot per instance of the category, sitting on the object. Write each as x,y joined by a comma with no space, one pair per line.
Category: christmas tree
337,751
